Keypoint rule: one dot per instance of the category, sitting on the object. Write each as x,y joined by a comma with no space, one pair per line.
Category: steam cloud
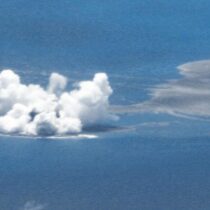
34,110
188,96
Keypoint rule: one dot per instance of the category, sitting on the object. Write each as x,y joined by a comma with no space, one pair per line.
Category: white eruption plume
34,110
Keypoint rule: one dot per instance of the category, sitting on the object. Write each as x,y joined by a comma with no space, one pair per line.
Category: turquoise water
156,161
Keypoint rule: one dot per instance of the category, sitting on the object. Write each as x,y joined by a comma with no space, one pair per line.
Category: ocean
156,156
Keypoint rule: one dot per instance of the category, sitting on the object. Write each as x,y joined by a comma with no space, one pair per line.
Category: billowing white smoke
33,110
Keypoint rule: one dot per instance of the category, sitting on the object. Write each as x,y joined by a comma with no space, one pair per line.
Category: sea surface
145,161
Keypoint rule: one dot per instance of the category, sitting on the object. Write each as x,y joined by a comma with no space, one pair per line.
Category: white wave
34,110
32,205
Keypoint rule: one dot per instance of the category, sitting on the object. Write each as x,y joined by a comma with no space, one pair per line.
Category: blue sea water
159,162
